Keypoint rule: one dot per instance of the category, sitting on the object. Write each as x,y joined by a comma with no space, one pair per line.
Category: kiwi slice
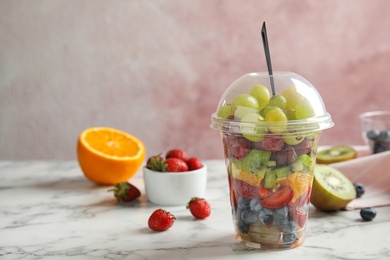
336,154
332,190
255,160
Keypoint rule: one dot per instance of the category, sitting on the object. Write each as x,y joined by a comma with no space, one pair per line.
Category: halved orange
108,156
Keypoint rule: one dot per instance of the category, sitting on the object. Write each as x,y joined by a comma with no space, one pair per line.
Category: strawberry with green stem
155,163
125,191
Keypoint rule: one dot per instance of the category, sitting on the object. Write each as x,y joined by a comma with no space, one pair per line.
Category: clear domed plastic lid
250,105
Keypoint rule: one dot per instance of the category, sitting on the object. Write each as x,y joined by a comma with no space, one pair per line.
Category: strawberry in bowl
174,179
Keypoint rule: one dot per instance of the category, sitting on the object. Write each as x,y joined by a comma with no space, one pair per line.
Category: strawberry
176,153
263,192
161,220
296,209
245,190
233,197
279,198
194,163
125,191
155,163
199,207
298,214
174,165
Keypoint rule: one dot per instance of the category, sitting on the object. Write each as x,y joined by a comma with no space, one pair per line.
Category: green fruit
331,189
293,139
304,110
253,132
278,101
269,179
241,112
260,233
261,93
255,160
290,113
245,100
225,111
266,109
292,96
336,154
282,171
306,161
276,120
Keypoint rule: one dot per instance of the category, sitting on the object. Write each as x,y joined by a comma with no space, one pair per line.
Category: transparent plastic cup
376,130
270,163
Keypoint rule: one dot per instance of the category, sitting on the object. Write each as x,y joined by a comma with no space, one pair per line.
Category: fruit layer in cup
270,184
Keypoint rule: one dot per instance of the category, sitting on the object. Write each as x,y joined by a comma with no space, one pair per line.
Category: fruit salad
270,187
270,144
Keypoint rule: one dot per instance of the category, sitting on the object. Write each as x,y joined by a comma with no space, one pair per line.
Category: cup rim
302,126
149,171
370,114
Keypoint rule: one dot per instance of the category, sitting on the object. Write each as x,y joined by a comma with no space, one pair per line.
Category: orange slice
109,156
299,182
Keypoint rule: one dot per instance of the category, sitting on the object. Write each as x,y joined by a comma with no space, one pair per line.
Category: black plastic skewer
268,57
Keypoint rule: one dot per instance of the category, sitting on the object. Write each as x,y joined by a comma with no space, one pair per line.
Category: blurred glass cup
376,130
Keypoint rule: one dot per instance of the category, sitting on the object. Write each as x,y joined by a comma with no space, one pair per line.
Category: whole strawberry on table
161,220
199,208
175,160
124,191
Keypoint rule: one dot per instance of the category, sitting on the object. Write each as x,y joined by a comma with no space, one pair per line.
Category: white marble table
48,210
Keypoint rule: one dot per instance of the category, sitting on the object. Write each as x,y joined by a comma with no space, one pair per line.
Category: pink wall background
156,69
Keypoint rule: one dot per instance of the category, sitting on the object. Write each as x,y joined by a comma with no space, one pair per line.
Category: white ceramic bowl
174,188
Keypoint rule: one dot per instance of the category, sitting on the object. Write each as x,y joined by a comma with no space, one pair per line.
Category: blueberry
368,214
238,213
281,213
242,227
290,227
266,216
283,223
242,202
381,146
289,238
383,135
254,205
373,134
359,189
249,216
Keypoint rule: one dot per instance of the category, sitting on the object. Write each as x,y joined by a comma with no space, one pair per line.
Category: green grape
276,120
262,95
292,96
293,139
278,101
312,135
265,110
290,113
254,133
245,100
225,111
304,109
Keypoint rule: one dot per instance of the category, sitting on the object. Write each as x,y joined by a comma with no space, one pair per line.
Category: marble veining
48,210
